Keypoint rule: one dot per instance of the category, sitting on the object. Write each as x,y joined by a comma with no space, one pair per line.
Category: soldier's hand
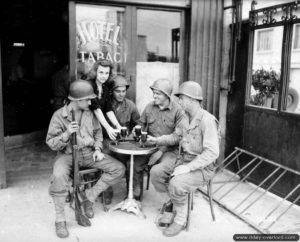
151,140
181,169
155,157
98,155
72,127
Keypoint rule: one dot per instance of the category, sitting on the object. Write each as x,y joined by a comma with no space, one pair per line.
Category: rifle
79,216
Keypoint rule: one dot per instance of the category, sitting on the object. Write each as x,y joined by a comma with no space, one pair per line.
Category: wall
275,137
205,50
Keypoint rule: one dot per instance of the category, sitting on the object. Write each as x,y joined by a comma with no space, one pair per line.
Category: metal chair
190,198
191,204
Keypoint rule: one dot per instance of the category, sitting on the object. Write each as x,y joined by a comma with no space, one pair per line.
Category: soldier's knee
120,169
59,174
155,172
176,186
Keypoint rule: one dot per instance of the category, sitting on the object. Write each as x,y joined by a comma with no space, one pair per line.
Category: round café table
132,148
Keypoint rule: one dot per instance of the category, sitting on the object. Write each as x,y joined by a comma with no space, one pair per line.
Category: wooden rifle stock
79,216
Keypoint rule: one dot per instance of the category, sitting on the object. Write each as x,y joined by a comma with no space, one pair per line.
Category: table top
131,148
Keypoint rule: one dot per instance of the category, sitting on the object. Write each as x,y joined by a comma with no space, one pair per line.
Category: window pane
100,35
264,40
158,35
296,37
266,67
292,99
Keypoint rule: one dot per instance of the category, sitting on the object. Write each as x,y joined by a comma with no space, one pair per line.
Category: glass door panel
157,55
266,69
100,34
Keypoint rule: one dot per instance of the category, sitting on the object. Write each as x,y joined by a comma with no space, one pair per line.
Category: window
264,40
275,45
266,68
296,37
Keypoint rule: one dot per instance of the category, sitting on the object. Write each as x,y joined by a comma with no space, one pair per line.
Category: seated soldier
89,140
200,146
127,115
162,116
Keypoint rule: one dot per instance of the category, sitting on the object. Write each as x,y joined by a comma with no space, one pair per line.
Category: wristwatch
97,148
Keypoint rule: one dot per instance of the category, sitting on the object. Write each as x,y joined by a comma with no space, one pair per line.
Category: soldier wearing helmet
89,141
161,117
200,146
124,109
127,115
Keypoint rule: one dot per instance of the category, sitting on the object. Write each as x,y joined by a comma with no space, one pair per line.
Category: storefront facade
263,106
179,40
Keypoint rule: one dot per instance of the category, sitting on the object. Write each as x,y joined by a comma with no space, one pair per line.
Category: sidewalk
27,212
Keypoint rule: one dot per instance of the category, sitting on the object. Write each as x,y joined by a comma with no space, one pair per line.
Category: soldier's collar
66,112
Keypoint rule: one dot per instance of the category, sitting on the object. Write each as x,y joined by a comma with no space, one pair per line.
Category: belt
187,157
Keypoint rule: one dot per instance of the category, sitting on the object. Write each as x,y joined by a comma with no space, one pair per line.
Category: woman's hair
92,75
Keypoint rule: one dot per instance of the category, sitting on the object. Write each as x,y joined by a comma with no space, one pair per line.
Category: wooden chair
87,178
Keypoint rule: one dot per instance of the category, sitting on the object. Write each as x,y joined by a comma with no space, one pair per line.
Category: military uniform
200,145
160,123
88,137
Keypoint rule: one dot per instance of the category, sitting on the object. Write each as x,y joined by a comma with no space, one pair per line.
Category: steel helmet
163,85
80,90
118,81
191,89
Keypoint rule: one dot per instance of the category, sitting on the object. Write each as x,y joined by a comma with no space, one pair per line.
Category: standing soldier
200,145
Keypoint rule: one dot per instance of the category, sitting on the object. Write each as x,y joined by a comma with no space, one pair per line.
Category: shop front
45,44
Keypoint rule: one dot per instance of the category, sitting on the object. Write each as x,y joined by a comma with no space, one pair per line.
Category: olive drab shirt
200,140
126,113
89,134
163,122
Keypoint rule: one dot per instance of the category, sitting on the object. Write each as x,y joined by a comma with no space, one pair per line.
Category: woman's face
103,73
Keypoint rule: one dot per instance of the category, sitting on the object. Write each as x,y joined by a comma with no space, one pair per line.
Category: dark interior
34,45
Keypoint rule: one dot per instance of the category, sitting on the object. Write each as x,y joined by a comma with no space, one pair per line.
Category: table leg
130,204
130,188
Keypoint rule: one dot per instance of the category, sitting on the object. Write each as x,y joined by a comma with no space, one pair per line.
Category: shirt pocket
169,123
150,118
195,140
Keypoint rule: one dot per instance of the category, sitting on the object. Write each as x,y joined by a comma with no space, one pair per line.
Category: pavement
27,211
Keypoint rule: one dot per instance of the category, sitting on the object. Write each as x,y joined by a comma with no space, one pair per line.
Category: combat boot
61,229
173,230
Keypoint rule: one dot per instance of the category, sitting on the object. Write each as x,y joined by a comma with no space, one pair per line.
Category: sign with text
100,35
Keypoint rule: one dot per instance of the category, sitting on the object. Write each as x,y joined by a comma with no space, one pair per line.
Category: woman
98,76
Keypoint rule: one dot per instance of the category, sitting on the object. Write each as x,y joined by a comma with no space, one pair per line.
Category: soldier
124,109
163,116
89,139
200,145
127,115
